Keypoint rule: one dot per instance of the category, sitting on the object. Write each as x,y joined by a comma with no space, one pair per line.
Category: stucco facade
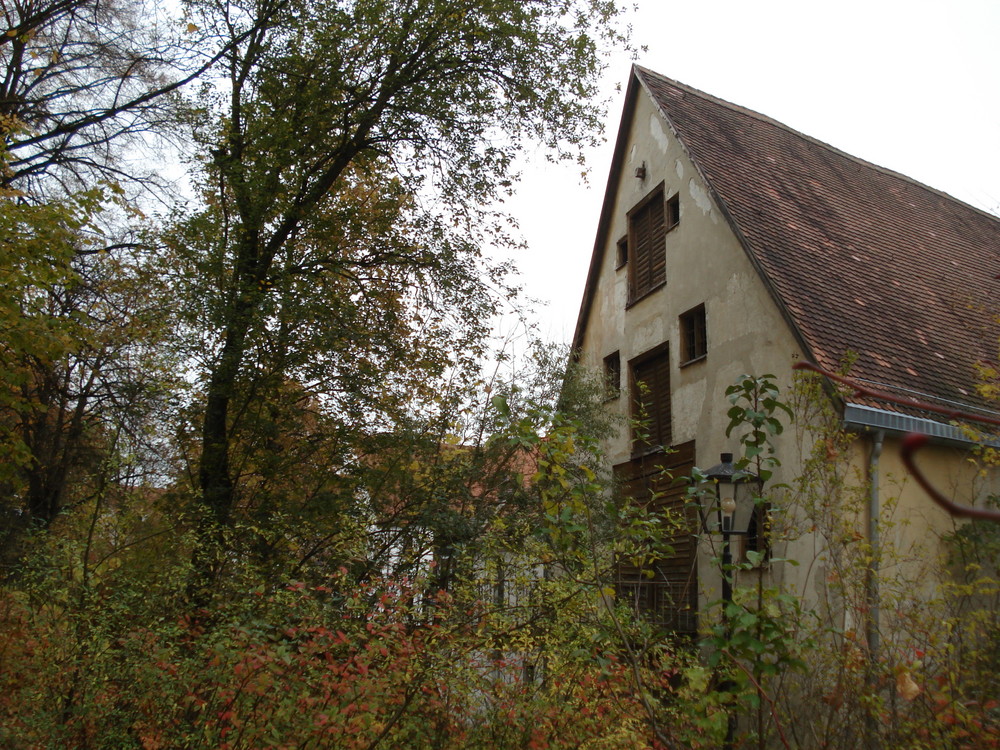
705,264
876,515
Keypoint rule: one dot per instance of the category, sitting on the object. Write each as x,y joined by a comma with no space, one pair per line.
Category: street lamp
734,500
735,508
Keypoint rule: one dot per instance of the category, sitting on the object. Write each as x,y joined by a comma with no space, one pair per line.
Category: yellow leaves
11,193
192,28
905,685
698,678
23,36
10,124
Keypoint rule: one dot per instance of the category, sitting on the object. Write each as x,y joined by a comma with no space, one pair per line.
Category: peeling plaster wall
704,264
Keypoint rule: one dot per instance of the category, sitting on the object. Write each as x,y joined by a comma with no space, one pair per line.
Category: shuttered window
663,589
612,375
647,230
651,401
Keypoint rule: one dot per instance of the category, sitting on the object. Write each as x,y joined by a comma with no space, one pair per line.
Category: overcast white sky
910,85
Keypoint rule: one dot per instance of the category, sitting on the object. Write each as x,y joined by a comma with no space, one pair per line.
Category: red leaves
297,670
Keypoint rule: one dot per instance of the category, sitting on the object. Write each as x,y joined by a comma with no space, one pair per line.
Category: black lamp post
734,508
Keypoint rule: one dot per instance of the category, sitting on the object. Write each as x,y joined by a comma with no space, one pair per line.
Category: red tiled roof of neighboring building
861,259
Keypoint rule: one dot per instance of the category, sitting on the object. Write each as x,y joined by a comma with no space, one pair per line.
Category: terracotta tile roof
862,259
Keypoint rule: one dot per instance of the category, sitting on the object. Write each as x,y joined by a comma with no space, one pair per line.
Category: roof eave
610,194
607,208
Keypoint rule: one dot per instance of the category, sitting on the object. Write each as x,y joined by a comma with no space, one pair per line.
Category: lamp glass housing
734,496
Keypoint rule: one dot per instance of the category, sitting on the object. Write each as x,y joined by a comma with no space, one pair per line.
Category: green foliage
37,248
348,179
760,631
927,684
82,371
277,502
419,638
295,667
755,402
754,638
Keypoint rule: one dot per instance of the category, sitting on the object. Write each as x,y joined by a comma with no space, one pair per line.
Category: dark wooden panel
647,244
651,400
665,590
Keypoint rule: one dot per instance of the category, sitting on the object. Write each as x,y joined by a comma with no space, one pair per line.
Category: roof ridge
740,109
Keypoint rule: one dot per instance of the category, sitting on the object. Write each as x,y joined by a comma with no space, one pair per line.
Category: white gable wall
704,264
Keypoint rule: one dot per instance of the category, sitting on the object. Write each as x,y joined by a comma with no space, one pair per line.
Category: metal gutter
865,418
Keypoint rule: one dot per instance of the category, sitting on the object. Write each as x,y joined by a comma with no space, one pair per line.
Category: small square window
673,217
613,375
622,252
694,335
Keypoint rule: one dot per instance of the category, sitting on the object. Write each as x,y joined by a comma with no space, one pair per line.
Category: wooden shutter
694,337
647,243
666,590
651,402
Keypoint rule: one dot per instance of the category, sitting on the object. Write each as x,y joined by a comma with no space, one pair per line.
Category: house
729,243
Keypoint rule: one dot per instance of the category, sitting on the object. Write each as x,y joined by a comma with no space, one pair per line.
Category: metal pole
727,583
872,740
727,599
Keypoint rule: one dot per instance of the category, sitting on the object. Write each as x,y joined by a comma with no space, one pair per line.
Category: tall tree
83,85
78,360
433,96
79,81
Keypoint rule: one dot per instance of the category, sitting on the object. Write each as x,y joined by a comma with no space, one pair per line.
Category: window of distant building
694,337
651,401
645,245
612,375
